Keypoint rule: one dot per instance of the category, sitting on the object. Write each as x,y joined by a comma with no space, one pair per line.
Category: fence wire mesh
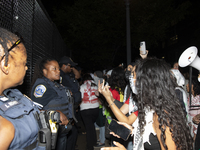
42,38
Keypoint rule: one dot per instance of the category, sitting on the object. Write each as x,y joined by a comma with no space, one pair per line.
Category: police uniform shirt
69,81
20,111
43,93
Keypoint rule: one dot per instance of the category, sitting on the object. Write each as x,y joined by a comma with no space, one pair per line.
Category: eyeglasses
13,46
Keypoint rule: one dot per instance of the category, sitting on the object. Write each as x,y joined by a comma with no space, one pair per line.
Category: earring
6,67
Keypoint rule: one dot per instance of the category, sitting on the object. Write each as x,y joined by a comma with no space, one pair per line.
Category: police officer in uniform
52,95
69,75
18,126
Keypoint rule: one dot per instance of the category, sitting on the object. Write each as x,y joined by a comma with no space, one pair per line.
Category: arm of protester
131,118
117,112
76,73
7,133
125,108
144,55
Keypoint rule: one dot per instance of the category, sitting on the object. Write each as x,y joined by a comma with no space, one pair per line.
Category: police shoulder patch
39,91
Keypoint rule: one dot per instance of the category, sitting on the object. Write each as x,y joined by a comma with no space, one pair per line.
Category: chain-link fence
30,20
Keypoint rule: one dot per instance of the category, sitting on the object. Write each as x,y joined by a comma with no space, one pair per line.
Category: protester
180,79
52,95
197,139
100,122
89,109
130,104
196,120
175,66
180,92
117,85
18,126
195,101
160,111
128,107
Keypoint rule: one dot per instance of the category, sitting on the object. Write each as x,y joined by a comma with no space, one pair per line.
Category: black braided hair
5,38
38,69
156,90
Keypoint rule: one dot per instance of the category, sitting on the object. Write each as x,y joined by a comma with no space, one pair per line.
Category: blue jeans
130,145
101,133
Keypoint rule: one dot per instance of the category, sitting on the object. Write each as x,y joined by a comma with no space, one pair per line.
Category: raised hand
104,89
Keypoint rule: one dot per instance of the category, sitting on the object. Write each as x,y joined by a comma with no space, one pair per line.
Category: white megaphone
190,57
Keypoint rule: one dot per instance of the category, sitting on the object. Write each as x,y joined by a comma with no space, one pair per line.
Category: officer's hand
63,118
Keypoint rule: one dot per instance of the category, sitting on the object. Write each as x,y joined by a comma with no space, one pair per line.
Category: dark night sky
187,31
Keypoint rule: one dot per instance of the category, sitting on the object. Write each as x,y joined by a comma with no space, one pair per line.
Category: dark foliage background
95,31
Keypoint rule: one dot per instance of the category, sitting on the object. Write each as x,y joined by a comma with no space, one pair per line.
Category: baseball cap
67,60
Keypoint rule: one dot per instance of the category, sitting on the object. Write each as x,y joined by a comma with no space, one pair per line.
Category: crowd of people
149,97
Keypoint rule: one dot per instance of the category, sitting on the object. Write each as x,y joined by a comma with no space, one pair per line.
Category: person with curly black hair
117,84
160,111
117,81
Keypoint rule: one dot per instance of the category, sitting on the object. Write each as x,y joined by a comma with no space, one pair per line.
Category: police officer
52,95
18,126
69,75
